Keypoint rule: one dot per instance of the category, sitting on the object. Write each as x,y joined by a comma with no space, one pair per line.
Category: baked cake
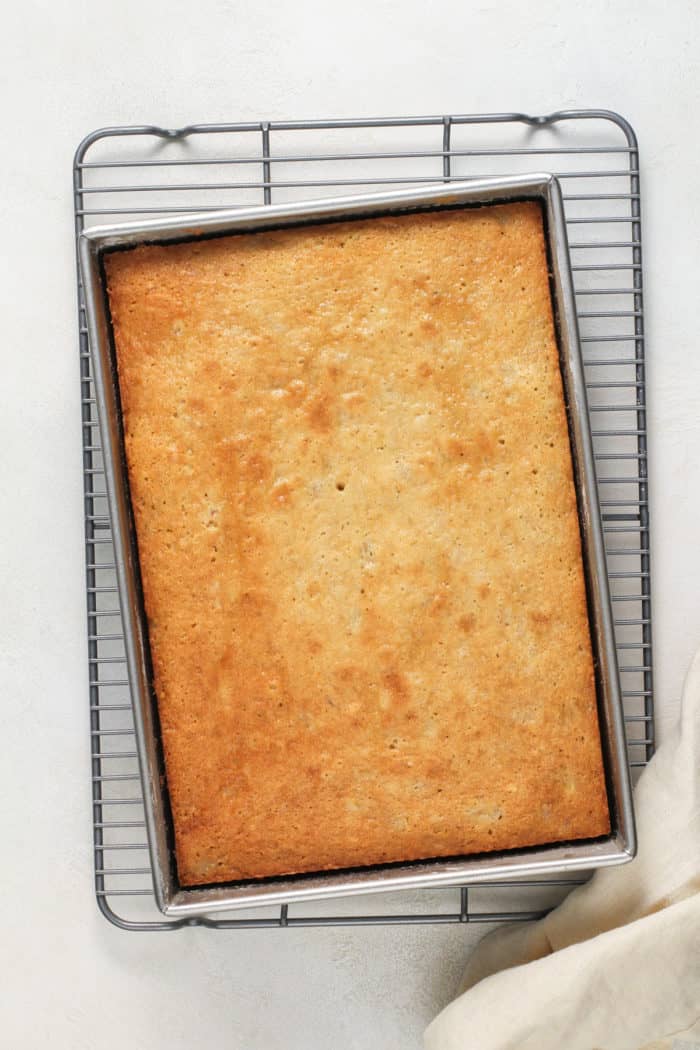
351,478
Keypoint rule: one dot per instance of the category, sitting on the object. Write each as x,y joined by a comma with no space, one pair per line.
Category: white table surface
69,980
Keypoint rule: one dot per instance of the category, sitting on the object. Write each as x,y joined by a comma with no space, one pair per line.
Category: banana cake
352,486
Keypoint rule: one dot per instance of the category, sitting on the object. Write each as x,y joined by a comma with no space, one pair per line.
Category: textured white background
68,979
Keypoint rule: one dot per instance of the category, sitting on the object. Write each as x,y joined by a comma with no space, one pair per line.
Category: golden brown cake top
350,470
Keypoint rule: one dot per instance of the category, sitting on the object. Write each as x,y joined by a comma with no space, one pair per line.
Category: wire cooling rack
124,172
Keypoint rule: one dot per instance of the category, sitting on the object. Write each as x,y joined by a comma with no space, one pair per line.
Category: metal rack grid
124,172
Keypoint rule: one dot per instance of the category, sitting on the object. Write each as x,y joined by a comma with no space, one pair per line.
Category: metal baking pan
175,900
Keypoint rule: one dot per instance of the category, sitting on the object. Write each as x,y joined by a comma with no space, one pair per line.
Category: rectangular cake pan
176,900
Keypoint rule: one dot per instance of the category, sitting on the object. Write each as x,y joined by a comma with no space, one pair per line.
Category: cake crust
351,478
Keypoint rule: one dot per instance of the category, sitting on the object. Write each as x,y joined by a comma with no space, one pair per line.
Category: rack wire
125,172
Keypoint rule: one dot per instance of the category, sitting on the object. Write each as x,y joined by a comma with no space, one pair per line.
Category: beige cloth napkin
617,965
